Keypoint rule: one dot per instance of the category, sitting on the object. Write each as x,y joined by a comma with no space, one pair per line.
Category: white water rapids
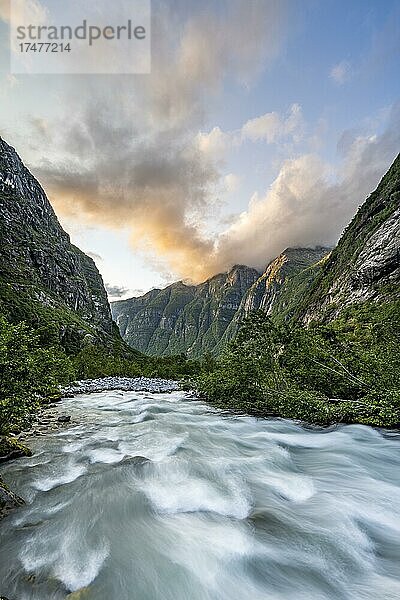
219,507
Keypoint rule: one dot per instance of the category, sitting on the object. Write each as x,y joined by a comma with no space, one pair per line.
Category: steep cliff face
184,318
281,287
365,265
41,272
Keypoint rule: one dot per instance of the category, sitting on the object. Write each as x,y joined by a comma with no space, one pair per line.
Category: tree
28,373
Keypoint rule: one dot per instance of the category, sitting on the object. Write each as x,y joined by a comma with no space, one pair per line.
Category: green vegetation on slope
184,318
347,371
28,372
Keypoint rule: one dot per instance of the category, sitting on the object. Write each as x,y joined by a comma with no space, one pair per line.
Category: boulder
8,500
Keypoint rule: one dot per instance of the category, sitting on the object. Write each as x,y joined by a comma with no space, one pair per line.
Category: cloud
96,257
8,84
235,42
12,80
41,127
310,201
155,188
231,183
272,127
215,144
132,158
162,189
341,73
116,291
24,12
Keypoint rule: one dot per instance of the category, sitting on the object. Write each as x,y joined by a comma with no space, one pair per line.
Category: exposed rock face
365,265
39,267
269,289
280,288
184,318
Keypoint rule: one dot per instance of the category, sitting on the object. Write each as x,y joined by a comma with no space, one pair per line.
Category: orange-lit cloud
129,154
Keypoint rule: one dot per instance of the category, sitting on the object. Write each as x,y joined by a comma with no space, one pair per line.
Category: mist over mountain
300,283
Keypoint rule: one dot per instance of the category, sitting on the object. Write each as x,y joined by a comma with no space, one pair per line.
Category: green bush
28,373
345,371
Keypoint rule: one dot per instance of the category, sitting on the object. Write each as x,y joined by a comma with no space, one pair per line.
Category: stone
126,384
8,500
134,461
64,419
11,448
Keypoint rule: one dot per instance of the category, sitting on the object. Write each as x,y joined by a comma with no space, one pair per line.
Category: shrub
344,371
28,373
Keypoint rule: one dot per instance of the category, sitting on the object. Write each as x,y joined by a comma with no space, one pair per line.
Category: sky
262,125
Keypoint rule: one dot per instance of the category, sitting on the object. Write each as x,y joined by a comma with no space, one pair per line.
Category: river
159,497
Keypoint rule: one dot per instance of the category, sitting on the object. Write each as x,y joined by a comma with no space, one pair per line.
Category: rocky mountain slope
202,318
183,318
44,279
365,265
281,287
300,284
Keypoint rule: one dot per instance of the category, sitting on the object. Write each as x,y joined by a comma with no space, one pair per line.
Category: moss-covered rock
8,500
12,448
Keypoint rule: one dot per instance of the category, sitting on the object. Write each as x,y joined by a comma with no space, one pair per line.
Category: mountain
203,318
300,284
365,265
183,318
44,279
279,290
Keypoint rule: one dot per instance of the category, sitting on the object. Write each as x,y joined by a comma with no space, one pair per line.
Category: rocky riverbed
126,384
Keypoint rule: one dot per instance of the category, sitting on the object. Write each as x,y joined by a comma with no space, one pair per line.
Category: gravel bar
127,384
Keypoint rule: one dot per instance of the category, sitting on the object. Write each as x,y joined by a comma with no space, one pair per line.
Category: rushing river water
218,507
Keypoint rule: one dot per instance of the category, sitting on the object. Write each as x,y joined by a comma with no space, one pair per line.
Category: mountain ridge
43,276
194,319
301,284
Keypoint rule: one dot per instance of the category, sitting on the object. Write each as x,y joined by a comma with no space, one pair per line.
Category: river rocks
64,419
46,421
12,448
8,500
136,461
127,384
79,594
